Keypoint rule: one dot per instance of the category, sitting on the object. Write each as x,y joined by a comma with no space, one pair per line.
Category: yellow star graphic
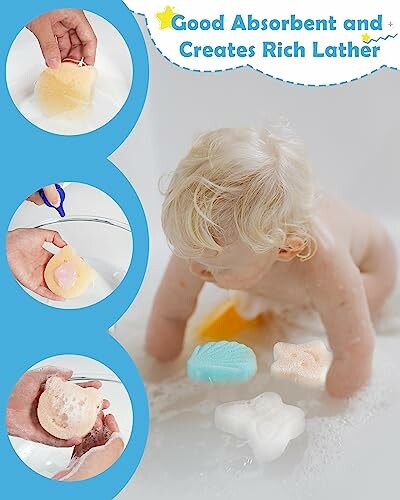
366,38
165,17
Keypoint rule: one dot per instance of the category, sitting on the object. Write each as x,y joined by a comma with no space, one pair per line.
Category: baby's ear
286,255
294,245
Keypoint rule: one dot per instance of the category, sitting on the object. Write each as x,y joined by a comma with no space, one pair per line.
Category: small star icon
165,17
366,38
391,24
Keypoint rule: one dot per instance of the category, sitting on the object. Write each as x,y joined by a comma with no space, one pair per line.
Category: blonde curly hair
255,184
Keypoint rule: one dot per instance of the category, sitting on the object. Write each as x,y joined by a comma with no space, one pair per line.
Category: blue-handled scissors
61,192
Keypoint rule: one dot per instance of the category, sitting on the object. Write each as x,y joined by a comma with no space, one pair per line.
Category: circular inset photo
69,72
69,418
69,245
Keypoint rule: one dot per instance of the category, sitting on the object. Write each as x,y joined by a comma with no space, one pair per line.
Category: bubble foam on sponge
66,88
68,275
66,410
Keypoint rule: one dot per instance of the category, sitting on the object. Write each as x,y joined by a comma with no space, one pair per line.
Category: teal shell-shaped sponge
222,362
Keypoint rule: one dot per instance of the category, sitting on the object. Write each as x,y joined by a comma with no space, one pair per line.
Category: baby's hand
346,377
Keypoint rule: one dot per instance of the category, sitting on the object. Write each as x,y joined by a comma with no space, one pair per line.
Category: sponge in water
224,323
265,422
222,362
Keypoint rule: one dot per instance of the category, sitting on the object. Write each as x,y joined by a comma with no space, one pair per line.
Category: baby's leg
379,274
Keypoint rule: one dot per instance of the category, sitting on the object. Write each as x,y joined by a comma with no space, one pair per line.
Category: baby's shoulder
329,269
333,223
332,210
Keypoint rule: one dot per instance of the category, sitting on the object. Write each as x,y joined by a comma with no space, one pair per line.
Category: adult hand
105,447
22,420
27,258
65,33
51,194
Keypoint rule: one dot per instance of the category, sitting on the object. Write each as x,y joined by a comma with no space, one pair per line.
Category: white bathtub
346,452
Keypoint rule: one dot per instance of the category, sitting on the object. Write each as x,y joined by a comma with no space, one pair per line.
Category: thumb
52,195
45,372
43,30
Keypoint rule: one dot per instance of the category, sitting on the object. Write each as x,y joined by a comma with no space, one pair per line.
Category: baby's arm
173,305
338,293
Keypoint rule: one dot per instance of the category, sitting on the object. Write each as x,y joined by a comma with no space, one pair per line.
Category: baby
241,212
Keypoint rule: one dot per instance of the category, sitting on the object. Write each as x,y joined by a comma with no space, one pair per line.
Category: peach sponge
66,410
66,88
68,275
306,364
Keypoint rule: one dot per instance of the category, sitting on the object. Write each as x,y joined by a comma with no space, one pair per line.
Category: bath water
210,464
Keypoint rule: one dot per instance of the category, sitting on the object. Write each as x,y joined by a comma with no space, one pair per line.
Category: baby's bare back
340,231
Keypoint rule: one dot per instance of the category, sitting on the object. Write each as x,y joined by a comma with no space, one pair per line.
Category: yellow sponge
67,275
65,88
224,323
